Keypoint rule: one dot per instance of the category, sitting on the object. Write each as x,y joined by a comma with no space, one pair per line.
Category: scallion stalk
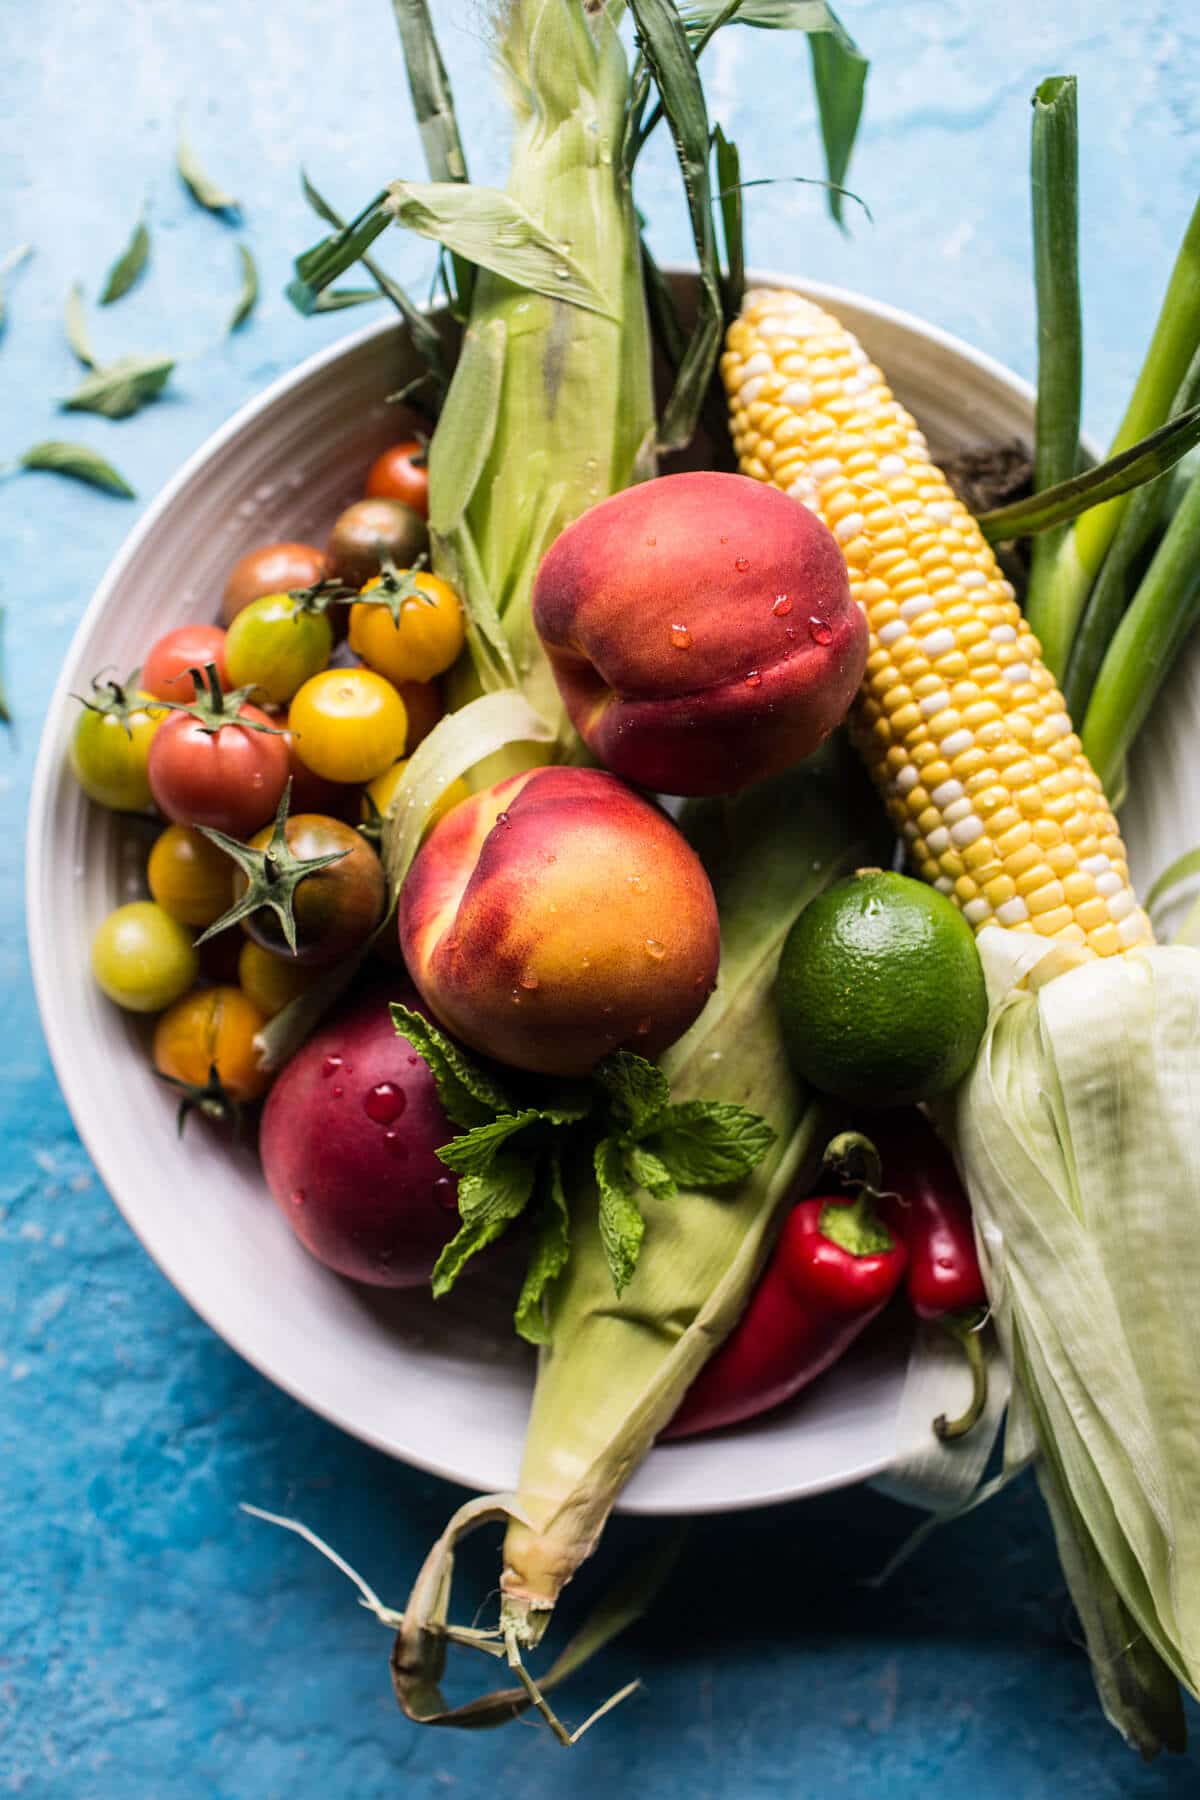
1174,342
1054,173
1146,643
1148,507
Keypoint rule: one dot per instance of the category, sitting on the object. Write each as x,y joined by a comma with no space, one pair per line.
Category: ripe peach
556,917
701,631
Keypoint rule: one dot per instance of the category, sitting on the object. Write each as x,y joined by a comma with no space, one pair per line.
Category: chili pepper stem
966,1329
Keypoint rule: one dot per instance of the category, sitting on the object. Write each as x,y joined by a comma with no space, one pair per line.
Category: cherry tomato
165,671
143,958
401,473
422,640
383,791
336,908
189,875
275,645
272,981
371,533
423,704
313,794
271,569
223,769
349,724
110,747
212,1031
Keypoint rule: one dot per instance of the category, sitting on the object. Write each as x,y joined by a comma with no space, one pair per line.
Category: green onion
1145,644
1174,343
1108,599
1055,188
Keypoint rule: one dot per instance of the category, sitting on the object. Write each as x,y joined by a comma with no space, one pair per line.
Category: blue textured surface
153,1641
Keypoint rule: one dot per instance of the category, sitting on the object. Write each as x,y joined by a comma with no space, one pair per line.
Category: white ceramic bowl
444,1387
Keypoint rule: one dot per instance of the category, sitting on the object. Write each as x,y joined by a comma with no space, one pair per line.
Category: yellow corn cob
959,720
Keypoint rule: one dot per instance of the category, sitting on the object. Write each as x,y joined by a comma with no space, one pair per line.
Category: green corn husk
551,407
1079,1133
616,1369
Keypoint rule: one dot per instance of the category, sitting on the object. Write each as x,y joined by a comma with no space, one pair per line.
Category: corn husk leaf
671,60
1079,1134
433,105
494,231
839,68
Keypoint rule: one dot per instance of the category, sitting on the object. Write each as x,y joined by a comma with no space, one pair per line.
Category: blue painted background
153,1641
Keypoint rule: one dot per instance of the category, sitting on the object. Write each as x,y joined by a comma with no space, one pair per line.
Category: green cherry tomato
143,958
275,645
110,747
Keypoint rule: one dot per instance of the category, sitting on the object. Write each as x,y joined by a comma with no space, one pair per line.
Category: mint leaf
488,1203
637,1089
120,388
551,1249
475,1150
711,1143
566,1105
622,1226
650,1172
468,1093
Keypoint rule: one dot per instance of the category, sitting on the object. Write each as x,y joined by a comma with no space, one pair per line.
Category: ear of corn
961,724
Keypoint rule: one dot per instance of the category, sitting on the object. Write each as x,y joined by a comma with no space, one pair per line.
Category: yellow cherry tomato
348,724
143,958
189,875
211,1033
272,981
423,638
383,791
110,747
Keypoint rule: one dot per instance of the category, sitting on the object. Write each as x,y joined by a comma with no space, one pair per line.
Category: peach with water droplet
679,666
551,961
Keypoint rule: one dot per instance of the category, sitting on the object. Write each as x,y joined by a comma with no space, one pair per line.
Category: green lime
881,992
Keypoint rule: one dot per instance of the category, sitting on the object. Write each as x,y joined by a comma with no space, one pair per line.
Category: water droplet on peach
637,883
529,981
384,1102
515,996
820,631
651,541
444,1193
330,1066
681,637
297,1196
503,819
655,949
337,1091
741,564
782,606
642,1028
396,1145
754,679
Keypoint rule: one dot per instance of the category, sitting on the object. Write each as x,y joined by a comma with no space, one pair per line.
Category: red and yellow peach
701,631
557,917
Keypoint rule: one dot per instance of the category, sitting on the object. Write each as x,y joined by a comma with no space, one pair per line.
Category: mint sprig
514,1137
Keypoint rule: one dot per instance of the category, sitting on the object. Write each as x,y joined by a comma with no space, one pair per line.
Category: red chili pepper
834,1269
910,1175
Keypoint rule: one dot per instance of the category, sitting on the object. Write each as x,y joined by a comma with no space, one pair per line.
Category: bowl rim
39,923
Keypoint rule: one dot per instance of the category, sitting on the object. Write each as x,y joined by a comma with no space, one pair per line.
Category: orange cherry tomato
211,1033
422,640
189,875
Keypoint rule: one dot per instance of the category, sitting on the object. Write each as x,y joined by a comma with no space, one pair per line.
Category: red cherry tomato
165,671
229,778
401,473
